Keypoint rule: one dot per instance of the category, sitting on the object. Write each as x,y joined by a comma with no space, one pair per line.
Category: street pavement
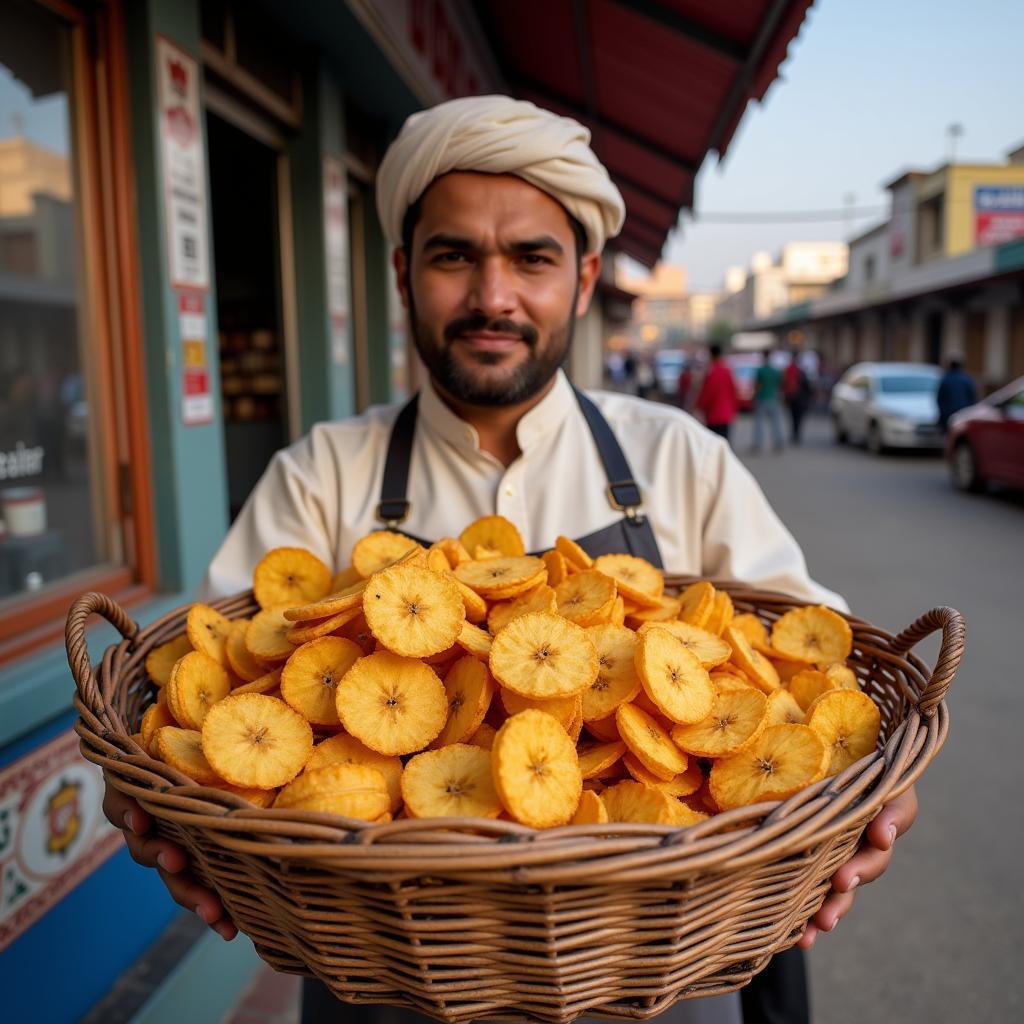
938,938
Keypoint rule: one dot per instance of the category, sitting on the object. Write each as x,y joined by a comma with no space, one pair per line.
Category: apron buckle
629,501
393,512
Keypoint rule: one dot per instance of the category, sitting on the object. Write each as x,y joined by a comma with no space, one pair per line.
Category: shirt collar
544,417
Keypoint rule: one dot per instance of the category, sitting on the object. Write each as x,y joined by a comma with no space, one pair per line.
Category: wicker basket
466,919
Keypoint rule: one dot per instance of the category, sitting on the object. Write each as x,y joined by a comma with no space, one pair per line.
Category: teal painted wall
189,473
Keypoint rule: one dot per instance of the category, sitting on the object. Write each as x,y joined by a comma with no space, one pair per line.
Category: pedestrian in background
718,400
684,385
767,403
956,391
645,378
796,387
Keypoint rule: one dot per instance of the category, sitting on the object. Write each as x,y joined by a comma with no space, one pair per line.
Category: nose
492,292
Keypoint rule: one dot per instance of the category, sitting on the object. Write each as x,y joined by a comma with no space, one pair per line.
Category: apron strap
394,506
623,492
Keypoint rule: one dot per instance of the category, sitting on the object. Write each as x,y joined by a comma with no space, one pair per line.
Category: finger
864,866
225,929
190,894
125,813
154,852
893,820
808,937
832,911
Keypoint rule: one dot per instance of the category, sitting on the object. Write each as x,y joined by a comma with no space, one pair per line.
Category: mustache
473,324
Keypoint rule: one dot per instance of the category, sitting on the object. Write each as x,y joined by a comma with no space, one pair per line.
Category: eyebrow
461,244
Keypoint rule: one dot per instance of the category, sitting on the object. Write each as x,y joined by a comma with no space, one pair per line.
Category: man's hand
169,860
867,864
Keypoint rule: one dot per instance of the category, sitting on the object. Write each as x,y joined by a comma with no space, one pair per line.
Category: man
956,391
796,387
499,212
767,406
718,399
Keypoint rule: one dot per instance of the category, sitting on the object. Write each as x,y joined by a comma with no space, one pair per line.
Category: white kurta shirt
709,515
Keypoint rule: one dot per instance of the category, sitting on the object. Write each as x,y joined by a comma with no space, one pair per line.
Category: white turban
499,135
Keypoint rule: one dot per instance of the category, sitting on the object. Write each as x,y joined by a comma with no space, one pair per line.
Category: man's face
493,286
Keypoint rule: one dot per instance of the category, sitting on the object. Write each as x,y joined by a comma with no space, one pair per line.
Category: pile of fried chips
473,680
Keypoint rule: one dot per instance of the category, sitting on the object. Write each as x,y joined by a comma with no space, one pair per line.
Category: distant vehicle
744,371
985,442
888,405
668,364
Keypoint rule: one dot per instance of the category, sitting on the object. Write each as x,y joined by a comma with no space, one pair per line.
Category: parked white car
888,405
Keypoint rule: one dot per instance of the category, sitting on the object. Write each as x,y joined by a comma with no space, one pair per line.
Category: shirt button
510,492
468,435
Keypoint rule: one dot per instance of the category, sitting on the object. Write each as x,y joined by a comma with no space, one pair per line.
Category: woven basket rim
485,847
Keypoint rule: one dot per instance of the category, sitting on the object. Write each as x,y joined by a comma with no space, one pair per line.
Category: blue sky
867,91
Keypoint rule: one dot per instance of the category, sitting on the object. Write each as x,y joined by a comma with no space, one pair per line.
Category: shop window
66,481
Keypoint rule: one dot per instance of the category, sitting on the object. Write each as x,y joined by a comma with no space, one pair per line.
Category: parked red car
986,441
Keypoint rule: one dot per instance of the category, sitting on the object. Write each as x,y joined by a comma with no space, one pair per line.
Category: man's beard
529,378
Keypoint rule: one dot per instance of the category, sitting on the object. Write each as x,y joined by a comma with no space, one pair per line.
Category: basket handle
954,631
78,650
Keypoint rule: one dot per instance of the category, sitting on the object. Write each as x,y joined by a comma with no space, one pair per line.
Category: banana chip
183,749
633,801
349,597
573,553
345,749
497,534
475,640
563,709
757,668
498,579
240,661
469,689
413,612
673,677
160,660
543,656
617,681
310,678
586,598
722,613
598,759
381,549
697,602
453,782
807,685
267,636
197,682
557,569
783,709
649,742
708,648
539,599
290,576
208,632
591,810
536,771
737,718
303,632
638,581
352,790
813,634
848,723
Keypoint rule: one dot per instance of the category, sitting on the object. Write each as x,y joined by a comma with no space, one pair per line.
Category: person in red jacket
718,399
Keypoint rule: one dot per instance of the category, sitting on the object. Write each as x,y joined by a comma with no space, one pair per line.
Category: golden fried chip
697,602
586,598
667,611
344,579
673,678
349,789
267,683
303,632
633,801
240,661
197,682
649,742
495,533
332,604
536,771
539,599
394,704
781,761
683,815
413,612
453,782
183,749
597,759
267,636
359,632
557,571
591,810
455,551
573,553
605,728
787,669
160,660
562,709
722,613
758,669
616,681
544,656
469,689
208,632
638,581
344,749
848,722
729,679
256,741
483,737
499,579
618,615
156,716
708,648
257,797
437,560
680,785
290,576
475,640
737,718
783,709
380,549
753,629
812,634
310,678
843,678
807,685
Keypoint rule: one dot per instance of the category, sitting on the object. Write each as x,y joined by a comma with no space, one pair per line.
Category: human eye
533,259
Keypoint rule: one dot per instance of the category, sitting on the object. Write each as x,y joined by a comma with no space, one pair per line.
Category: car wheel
963,468
875,444
839,431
